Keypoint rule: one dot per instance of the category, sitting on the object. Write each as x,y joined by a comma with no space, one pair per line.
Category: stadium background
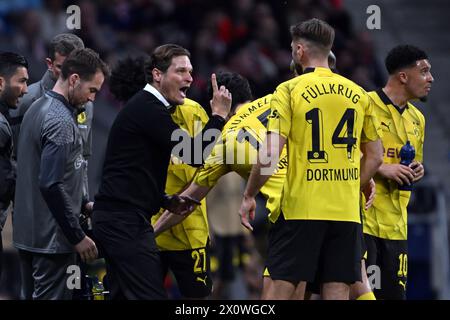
251,37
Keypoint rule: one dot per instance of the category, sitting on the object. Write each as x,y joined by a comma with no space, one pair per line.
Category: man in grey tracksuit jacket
46,215
49,185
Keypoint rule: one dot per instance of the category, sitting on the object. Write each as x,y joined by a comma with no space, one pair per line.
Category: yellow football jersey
387,218
324,117
242,137
192,233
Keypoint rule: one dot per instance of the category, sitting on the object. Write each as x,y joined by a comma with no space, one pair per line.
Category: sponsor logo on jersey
78,162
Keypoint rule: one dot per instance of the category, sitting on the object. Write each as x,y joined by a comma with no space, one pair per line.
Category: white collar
158,95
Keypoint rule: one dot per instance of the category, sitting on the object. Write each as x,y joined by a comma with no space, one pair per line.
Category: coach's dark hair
317,32
9,62
84,62
127,78
403,56
161,58
236,84
64,44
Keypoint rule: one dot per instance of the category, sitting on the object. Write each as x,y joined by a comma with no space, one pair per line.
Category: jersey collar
308,70
75,111
151,89
314,69
385,99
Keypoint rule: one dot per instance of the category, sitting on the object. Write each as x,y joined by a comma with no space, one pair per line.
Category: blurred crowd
246,36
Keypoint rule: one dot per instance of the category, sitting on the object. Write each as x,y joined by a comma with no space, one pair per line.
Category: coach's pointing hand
221,100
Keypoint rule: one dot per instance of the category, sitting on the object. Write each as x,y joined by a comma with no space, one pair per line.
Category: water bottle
407,155
97,289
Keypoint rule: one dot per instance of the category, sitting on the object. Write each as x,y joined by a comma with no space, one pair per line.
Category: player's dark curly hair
403,56
236,84
127,78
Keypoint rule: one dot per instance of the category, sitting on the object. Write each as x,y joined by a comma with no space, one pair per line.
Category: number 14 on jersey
343,135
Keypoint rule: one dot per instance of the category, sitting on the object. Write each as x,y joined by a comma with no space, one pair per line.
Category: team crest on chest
82,118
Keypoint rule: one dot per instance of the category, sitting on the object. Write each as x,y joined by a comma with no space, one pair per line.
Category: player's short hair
236,84
161,58
403,56
9,62
84,62
317,32
127,78
64,44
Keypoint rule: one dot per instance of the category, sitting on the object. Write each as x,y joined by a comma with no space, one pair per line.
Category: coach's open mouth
183,91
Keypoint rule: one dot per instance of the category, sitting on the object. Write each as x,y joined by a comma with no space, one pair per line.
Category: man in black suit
140,143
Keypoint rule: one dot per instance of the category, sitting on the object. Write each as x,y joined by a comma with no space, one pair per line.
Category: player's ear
299,49
74,79
402,77
49,63
2,84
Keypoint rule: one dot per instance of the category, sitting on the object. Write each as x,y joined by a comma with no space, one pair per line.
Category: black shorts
314,250
312,287
363,247
191,269
390,259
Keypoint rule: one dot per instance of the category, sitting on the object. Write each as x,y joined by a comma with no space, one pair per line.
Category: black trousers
133,265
